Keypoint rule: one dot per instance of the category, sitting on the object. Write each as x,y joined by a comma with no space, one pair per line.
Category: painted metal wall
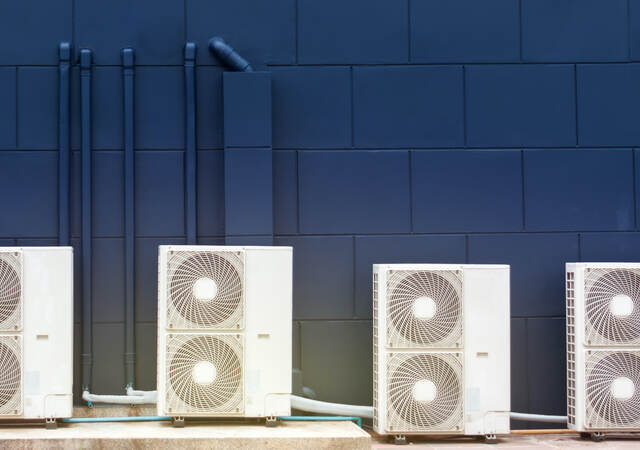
498,131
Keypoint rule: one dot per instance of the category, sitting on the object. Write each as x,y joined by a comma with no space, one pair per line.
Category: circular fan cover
607,287
10,293
206,287
436,293
446,407
205,372
601,379
10,378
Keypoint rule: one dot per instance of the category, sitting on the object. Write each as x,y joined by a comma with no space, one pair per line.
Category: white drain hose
538,418
315,406
133,397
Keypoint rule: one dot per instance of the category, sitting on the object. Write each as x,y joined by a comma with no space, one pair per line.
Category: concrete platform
161,435
540,441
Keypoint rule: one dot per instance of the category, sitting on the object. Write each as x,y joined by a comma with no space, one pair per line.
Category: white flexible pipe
315,406
131,391
538,418
147,398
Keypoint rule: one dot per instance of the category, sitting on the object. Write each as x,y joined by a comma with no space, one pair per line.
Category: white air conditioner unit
36,333
603,348
441,350
224,332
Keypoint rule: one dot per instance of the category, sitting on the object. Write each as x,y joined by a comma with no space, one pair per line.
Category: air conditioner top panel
40,249
221,248
438,266
602,265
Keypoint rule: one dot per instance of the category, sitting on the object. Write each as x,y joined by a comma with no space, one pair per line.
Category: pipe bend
225,53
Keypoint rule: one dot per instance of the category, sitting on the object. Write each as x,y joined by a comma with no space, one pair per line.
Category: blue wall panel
621,247
465,30
537,268
285,192
369,250
37,108
579,189
159,192
263,32
462,190
608,95
354,32
408,106
8,80
28,182
154,28
311,107
399,136
520,105
354,192
32,29
569,30
322,276
159,107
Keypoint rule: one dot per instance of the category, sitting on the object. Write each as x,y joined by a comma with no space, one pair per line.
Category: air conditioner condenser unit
441,357
224,332
603,348
36,333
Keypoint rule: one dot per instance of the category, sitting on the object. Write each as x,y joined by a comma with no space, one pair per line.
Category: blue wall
496,131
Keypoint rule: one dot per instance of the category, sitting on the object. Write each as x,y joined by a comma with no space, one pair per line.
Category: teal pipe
355,419
116,419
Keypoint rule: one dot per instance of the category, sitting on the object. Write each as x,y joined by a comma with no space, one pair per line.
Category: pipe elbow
225,53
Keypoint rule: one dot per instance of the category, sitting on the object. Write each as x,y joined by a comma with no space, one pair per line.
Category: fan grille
10,291
222,394
603,327
442,289
221,304
10,376
603,409
445,412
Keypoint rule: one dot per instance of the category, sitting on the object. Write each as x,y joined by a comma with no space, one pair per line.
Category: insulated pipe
225,53
85,112
357,420
129,218
150,397
64,154
116,419
315,406
538,418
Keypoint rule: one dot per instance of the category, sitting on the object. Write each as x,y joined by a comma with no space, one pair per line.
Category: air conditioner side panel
268,331
380,336
486,349
48,332
162,334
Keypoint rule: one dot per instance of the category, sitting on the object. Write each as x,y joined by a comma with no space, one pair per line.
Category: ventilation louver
425,392
10,376
424,308
10,291
204,374
612,390
612,306
205,290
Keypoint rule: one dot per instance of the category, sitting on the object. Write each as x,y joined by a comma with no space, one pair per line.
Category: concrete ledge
197,435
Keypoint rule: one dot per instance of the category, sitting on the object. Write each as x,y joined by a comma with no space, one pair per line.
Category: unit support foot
50,424
597,436
177,422
400,439
490,439
271,421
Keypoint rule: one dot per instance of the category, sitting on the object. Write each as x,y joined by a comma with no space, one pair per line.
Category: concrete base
196,435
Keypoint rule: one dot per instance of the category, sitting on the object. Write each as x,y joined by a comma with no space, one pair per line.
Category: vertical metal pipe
128,74
64,158
190,144
85,112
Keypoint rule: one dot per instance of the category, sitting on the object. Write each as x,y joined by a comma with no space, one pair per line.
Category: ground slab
514,441
161,435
